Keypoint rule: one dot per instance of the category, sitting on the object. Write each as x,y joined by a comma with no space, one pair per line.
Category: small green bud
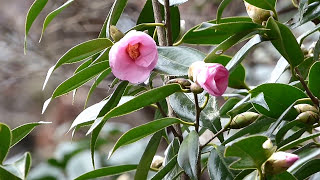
305,107
183,82
257,15
115,33
279,162
157,162
243,120
196,88
308,117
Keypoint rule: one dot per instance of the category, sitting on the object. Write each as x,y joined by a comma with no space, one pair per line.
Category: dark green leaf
4,174
172,153
231,27
250,151
240,55
97,81
79,53
210,36
218,165
285,175
308,33
292,137
309,168
263,4
22,131
113,16
304,68
283,131
32,14
260,125
5,137
19,168
237,76
317,50
166,169
107,171
80,78
312,12
285,42
278,70
314,75
227,106
272,93
221,8
145,130
176,60
298,141
53,14
146,159
188,155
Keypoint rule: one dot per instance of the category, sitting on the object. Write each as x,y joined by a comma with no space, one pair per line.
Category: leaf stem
309,93
214,136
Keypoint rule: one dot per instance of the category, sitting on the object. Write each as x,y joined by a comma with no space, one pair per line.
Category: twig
214,136
158,19
312,97
198,111
168,22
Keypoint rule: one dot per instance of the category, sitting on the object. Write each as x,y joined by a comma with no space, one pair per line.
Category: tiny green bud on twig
243,120
257,15
305,107
308,117
115,33
196,88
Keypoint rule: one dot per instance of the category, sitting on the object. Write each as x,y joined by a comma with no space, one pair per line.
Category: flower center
133,51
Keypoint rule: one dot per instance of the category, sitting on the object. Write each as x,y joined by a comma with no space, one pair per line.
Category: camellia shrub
274,125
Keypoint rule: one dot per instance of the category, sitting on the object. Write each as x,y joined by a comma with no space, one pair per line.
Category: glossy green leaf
260,125
97,81
188,155
19,168
6,138
107,171
314,75
285,42
240,55
53,14
32,14
146,159
167,168
283,131
309,168
221,8
183,105
297,134
272,92
173,2
210,36
298,141
263,4
218,165
278,70
285,175
172,153
306,153
113,16
302,37
304,68
231,27
4,174
176,60
78,53
250,151
317,51
312,12
228,105
80,78
242,106
144,130
22,131
237,77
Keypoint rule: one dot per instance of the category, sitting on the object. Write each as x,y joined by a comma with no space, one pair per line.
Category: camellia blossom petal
212,77
133,57
279,162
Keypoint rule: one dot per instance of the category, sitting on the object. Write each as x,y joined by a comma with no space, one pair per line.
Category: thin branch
312,97
214,136
158,19
168,22
198,111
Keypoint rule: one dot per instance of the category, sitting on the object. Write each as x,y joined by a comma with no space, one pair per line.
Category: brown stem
168,22
198,110
312,97
158,19
214,136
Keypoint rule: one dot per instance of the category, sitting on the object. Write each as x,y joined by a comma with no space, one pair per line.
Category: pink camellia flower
279,162
212,77
133,57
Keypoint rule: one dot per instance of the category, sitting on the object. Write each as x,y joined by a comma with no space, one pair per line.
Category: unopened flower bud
305,107
194,70
157,162
183,82
279,162
243,120
267,144
196,88
115,33
257,15
308,117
